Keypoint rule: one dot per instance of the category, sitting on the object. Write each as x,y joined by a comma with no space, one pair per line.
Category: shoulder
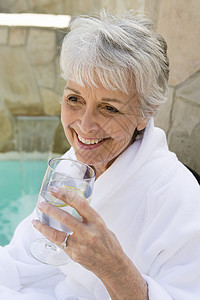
175,194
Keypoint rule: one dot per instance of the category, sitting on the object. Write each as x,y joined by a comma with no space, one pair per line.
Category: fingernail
34,222
54,189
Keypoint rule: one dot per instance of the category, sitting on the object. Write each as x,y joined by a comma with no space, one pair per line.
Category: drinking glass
78,179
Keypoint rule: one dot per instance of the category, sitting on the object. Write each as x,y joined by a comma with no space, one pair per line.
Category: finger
77,202
62,216
53,235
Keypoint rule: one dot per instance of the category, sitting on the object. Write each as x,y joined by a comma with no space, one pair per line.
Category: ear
142,123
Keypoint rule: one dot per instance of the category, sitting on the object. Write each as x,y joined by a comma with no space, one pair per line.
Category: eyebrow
73,90
102,99
111,100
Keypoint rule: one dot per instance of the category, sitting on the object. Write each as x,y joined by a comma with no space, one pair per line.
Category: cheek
121,129
66,117
63,115
62,120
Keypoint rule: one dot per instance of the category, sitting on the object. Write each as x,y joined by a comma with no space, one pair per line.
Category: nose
88,121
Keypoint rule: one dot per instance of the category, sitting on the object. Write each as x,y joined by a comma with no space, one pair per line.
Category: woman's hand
93,245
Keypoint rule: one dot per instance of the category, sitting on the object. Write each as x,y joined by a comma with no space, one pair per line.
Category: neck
101,168
98,170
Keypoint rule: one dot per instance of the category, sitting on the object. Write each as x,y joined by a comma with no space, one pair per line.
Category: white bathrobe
152,203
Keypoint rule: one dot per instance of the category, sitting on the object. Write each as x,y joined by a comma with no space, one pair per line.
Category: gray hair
118,51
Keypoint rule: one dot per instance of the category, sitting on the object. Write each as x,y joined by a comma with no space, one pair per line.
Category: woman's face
99,123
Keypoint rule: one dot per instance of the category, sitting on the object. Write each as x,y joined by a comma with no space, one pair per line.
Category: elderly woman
140,237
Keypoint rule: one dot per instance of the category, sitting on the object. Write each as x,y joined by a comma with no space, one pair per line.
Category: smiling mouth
89,141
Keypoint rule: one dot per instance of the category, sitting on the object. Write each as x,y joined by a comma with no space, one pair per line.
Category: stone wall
70,7
179,22
30,84
29,72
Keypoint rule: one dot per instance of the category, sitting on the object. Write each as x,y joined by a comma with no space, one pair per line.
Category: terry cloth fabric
152,203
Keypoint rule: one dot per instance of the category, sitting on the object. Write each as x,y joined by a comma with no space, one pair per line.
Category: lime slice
56,202
74,191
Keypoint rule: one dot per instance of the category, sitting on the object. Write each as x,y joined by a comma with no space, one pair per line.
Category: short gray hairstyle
118,51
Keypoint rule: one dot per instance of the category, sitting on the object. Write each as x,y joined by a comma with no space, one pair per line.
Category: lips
89,141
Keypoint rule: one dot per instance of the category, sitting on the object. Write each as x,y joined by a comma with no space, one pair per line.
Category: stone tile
60,34
17,82
60,85
179,23
41,46
129,4
151,9
17,36
191,89
61,145
13,6
92,6
60,82
137,5
162,118
185,116
50,101
45,75
195,139
184,138
180,143
78,7
46,6
187,147
68,7
3,35
6,132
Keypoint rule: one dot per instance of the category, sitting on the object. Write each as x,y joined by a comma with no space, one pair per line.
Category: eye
72,99
111,109
73,102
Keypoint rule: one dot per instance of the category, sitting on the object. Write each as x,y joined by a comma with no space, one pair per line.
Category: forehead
98,91
112,79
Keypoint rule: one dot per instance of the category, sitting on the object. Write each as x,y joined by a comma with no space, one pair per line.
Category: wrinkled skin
96,113
110,118
94,246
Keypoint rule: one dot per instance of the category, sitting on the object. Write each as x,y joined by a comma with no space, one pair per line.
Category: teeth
89,142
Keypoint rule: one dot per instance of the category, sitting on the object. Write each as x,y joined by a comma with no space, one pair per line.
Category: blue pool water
19,185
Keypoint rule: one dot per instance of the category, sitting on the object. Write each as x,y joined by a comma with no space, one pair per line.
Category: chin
85,159
89,159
